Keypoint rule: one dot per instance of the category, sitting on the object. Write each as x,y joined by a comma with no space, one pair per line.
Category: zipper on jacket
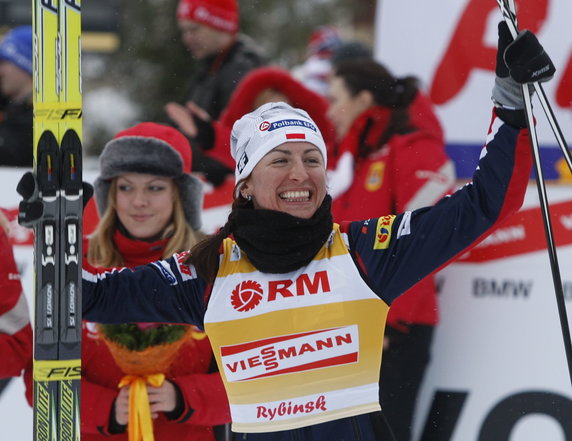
357,431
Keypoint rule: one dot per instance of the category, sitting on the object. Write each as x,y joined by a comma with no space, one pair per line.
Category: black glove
527,61
31,207
519,61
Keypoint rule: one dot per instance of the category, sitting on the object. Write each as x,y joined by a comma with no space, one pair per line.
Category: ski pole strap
140,425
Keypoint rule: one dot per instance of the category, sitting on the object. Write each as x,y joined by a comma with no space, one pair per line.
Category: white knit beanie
269,126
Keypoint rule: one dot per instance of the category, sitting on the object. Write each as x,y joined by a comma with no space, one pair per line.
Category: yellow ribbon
140,423
197,334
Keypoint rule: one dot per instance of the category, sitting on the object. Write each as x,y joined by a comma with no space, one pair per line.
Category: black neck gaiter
277,242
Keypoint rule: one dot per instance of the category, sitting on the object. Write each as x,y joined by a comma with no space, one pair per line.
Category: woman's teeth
295,195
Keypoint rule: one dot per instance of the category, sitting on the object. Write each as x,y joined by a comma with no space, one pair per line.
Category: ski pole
553,123
509,16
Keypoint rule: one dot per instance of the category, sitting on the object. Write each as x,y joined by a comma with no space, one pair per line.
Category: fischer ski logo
58,114
73,4
289,354
248,294
50,5
57,370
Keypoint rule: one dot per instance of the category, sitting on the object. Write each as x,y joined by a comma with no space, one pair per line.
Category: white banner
499,370
450,45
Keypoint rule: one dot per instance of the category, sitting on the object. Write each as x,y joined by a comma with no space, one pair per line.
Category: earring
248,197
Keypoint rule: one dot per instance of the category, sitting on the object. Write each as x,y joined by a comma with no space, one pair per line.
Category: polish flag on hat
295,136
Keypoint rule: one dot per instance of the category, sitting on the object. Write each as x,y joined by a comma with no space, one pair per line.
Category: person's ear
365,99
245,191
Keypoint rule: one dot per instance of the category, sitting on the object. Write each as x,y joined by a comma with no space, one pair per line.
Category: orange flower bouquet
145,348
144,352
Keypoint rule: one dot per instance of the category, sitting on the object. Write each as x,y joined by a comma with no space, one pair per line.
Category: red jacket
204,395
243,101
15,329
410,171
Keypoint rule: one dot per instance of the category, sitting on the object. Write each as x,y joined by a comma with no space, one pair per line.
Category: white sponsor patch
309,405
166,271
235,253
187,272
405,225
288,354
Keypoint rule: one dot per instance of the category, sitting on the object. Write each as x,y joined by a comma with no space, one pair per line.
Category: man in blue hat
16,118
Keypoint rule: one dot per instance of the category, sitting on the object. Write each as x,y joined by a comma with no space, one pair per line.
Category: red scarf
138,252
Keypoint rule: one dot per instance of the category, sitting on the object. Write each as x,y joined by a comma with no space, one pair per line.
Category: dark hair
388,91
204,255
350,50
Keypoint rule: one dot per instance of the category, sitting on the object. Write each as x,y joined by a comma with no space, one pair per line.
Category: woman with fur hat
150,207
294,304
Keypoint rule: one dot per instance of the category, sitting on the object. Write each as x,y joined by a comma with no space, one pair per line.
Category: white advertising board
499,370
450,45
